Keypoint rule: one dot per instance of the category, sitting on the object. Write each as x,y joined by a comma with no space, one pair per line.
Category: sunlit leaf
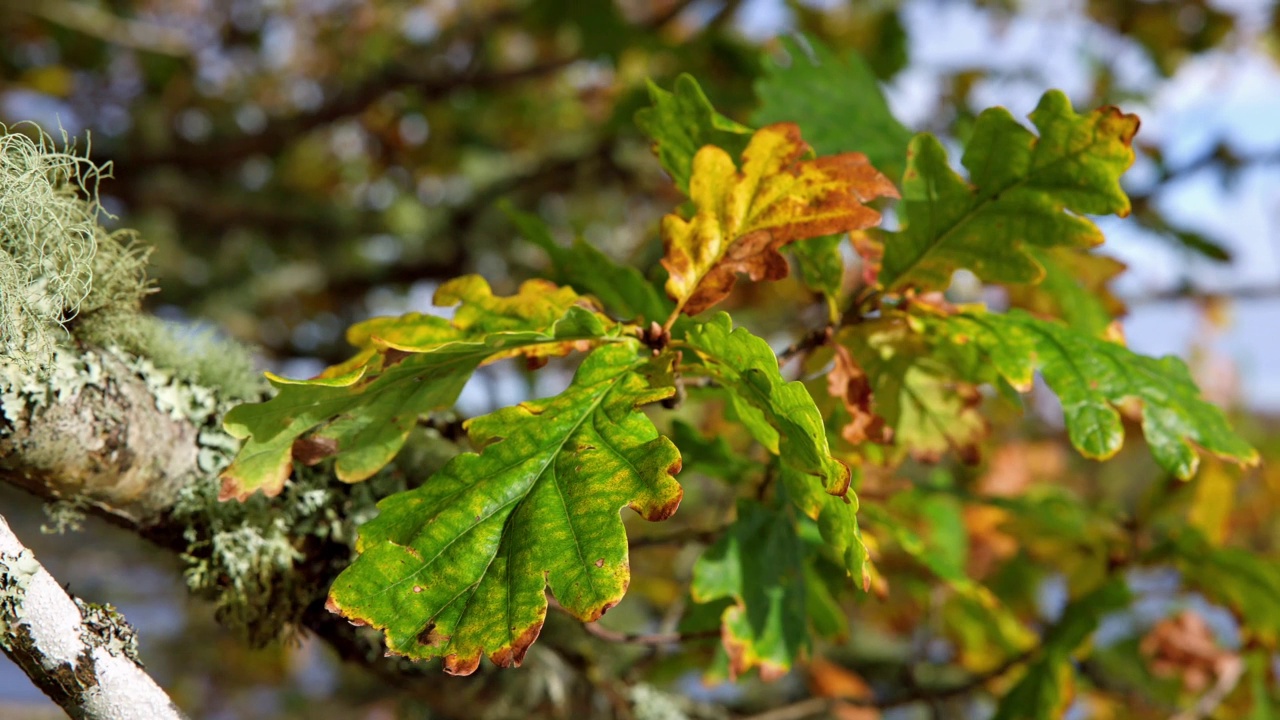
788,423
683,121
743,217
1092,377
1023,191
837,519
907,393
457,567
362,411
1074,289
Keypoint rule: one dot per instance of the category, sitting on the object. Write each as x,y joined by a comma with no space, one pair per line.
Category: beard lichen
64,275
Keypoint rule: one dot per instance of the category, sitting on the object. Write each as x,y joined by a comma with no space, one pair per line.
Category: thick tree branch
81,656
98,416
93,432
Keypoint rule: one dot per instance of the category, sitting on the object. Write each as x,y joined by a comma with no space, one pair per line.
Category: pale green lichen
243,555
48,239
64,516
63,274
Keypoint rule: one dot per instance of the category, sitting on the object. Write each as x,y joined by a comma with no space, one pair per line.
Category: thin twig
650,639
679,537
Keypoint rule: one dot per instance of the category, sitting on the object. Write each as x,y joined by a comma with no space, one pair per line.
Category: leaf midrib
983,202
610,384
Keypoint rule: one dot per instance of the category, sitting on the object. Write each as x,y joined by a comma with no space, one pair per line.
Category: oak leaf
897,388
1092,377
1023,191
362,410
743,217
458,567
758,563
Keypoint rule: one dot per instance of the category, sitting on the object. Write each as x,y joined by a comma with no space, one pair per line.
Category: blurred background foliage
299,165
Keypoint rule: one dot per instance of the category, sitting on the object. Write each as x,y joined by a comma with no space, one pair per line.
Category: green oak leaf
1092,376
837,520
821,266
917,393
1043,692
458,567
1074,289
1023,191
361,411
837,102
681,122
621,289
780,415
759,564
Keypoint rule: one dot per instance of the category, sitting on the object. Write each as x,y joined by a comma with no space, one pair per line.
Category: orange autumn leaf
829,680
743,217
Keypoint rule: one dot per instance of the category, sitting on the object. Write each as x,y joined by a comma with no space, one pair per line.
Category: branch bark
81,656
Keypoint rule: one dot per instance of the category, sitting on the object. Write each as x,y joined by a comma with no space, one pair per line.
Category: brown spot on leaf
428,637
314,448
600,563
393,357
417,589
457,665
514,655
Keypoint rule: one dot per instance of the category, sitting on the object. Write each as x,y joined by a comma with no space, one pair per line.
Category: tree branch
83,657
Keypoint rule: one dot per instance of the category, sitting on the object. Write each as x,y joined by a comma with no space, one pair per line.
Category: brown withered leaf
848,383
743,217
1184,646
829,680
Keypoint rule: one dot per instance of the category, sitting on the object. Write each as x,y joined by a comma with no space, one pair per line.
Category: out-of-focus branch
1190,293
81,656
400,74
228,151
90,19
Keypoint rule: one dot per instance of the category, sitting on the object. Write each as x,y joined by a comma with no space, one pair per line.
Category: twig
812,340
650,639
679,537
82,657
811,707
89,19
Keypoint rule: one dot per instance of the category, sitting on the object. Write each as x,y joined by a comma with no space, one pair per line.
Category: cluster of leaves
458,567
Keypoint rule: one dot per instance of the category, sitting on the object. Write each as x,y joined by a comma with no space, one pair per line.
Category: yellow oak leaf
744,216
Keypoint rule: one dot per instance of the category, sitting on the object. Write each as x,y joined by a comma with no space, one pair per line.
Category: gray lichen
104,627
243,556
15,576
